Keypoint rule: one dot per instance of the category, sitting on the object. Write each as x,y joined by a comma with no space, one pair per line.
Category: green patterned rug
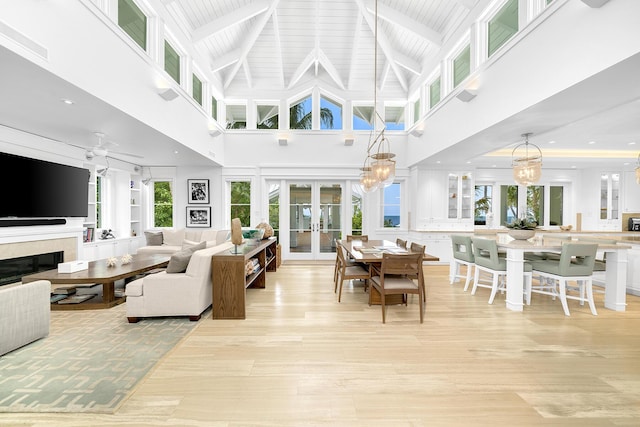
90,361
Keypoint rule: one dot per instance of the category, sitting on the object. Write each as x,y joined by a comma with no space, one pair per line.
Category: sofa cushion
186,244
154,238
180,260
173,237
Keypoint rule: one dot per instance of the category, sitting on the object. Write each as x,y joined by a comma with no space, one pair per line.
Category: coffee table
99,273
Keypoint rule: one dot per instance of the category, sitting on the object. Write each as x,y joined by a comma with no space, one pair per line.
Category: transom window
300,116
197,89
462,66
363,117
133,22
236,116
503,26
171,62
267,117
434,93
330,113
394,117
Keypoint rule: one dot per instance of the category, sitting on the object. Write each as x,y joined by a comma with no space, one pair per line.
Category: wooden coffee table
98,273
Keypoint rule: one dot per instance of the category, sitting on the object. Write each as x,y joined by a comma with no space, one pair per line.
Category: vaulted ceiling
278,44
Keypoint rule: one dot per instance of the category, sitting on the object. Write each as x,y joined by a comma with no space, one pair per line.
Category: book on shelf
57,297
64,291
76,299
88,234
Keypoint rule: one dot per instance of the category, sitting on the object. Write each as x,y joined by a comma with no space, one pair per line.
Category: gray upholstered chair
488,261
462,256
575,265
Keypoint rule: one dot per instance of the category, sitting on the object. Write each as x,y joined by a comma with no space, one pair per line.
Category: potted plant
522,229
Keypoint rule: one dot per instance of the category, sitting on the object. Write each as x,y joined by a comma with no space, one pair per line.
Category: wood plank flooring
303,359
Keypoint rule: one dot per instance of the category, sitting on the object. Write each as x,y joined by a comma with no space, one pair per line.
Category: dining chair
394,277
575,265
462,256
350,272
416,247
401,243
488,261
350,262
362,237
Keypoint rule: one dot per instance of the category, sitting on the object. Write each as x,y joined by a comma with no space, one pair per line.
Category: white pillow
173,237
209,235
186,244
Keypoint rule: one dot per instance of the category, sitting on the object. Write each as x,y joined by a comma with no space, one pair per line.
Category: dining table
370,253
615,274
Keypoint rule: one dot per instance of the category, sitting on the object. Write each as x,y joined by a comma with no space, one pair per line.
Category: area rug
90,361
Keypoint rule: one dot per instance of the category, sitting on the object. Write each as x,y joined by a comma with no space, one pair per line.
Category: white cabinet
633,270
609,196
631,193
102,249
438,244
459,197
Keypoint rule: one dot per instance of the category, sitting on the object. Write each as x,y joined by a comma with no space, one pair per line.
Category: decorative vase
519,234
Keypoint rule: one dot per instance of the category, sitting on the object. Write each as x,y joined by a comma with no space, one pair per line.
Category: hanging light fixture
379,168
527,166
638,170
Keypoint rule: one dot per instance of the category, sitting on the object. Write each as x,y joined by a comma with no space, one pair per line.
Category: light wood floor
302,359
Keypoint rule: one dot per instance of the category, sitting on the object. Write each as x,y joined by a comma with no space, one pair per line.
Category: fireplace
13,269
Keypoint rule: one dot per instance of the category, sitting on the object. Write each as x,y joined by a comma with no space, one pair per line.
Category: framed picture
198,190
199,216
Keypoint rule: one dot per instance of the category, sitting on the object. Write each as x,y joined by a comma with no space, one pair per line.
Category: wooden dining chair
347,271
362,237
416,247
401,243
350,262
394,277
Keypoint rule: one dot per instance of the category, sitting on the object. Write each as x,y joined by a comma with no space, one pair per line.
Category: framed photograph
199,216
198,190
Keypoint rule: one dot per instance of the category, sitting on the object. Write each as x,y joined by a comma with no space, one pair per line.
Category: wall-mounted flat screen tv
31,188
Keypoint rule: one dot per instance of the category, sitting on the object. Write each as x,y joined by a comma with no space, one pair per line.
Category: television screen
34,188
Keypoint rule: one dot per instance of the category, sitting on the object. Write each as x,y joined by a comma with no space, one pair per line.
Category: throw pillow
186,244
154,238
173,237
180,260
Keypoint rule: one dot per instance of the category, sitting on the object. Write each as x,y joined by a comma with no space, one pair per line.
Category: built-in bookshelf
89,224
136,199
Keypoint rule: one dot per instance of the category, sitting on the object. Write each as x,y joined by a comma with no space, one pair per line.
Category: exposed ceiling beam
326,63
229,20
247,72
355,48
307,62
225,60
250,41
384,44
278,48
396,18
466,3
410,64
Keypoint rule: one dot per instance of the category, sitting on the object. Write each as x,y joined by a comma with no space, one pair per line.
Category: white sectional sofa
174,294
25,314
173,240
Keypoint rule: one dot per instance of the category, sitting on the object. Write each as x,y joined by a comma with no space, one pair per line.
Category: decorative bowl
520,234
253,233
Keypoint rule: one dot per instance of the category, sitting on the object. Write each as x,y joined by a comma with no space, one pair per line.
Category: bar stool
462,256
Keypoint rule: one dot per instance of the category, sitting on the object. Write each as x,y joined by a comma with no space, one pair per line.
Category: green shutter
503,26
434,93
197,89
171,62
462,66
214,108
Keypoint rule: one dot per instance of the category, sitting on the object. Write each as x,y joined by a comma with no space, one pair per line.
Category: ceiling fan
102,148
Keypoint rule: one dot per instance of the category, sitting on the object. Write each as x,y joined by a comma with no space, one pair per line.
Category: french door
315,219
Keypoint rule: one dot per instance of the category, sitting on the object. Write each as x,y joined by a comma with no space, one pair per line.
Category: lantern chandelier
527,166
379,169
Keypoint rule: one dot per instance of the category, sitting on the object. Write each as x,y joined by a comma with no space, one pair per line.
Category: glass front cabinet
609,196
459,197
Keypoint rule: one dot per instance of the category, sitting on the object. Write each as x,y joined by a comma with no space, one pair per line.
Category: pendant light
527,165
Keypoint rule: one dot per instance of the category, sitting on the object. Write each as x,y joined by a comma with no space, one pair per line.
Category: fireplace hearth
12,270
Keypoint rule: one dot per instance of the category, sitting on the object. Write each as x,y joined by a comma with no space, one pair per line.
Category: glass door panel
330,218
300,219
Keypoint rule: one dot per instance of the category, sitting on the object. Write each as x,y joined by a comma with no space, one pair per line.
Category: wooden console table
229,280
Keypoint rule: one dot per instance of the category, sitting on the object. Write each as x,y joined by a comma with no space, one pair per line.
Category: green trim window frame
133,21
462,66
196,89
240,201
162,203
502,26
434,92
508,203
171,62
416,111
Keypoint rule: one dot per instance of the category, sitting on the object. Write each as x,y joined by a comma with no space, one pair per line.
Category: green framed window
236,116
508,203
196,89
171,62
240,206
434,93
556,205
503,26
274,209
462,66
133,22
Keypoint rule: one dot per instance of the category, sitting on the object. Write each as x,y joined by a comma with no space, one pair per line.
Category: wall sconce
168,94
283,141
416,132
214,132
348,141
466,95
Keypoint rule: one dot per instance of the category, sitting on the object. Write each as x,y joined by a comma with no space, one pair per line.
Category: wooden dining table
370,253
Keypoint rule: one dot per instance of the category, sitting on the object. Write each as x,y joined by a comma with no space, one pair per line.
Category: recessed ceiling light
552,142
494,166
632,143
175,151
468,162
438,161
591,142
67,101
573,167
